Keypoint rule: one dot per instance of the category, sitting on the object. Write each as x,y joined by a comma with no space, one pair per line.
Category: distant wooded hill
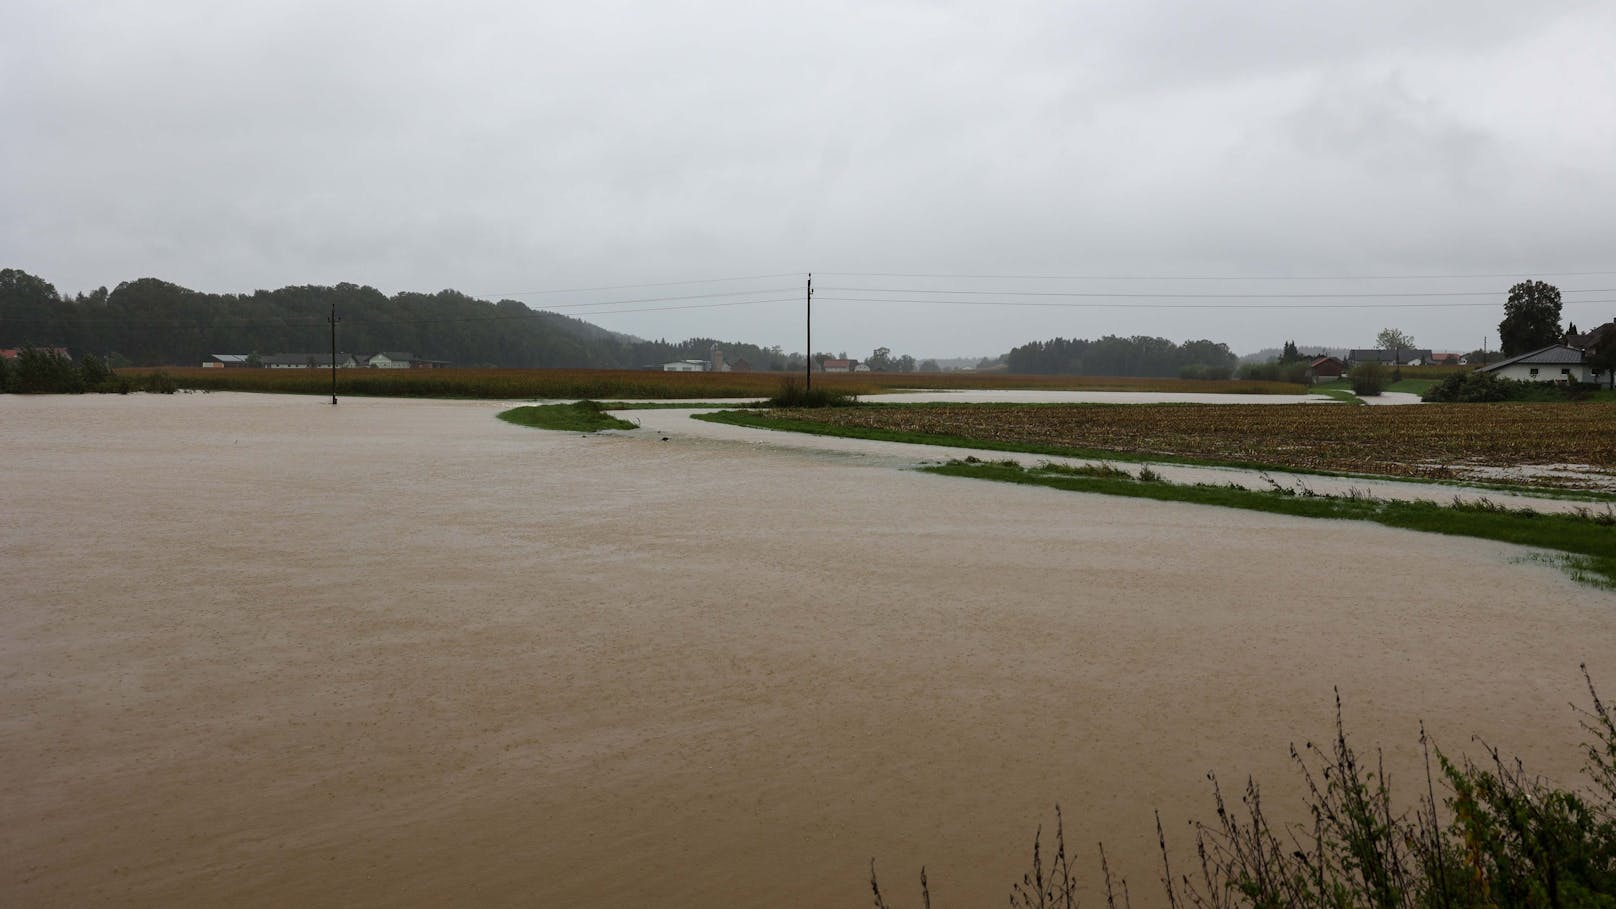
153,322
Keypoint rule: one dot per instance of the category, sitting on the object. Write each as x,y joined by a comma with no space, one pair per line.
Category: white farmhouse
685,366
391,360
1555,363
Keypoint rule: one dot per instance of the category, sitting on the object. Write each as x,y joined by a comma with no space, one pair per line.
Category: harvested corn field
1556,445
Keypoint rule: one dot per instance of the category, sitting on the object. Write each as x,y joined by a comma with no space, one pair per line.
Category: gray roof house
1555,363
1408,356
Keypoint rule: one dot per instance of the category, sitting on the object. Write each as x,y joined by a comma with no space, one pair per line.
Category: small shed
1324,369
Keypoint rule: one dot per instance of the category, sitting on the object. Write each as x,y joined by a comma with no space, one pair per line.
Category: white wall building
1555,363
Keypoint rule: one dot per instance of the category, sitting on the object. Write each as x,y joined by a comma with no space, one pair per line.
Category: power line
1199,295
579,290
1213,306
1136,277
734,293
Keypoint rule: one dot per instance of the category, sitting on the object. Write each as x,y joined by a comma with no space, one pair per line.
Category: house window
1534,372
1565,372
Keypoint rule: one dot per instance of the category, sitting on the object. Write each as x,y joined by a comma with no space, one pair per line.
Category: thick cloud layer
500,148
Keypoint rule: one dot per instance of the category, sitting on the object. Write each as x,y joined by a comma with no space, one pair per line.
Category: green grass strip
758,419
1342,393
580,416
1587,539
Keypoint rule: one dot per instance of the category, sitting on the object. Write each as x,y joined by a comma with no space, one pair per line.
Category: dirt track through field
257,650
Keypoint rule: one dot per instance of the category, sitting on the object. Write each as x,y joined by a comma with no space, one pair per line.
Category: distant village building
836,365
1594,341
1401,357
308,361
685,366
12,353
1324,369
391,360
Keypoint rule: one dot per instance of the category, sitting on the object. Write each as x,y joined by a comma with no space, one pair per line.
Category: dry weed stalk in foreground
1499,837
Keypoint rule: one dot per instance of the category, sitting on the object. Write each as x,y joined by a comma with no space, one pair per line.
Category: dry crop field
639,383
1437,441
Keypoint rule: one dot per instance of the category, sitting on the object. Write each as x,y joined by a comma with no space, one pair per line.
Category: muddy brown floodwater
259,650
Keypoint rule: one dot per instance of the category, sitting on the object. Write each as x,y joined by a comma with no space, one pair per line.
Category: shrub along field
1432,441
630,383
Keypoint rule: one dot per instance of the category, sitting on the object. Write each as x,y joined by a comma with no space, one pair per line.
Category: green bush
1368,379
1485,387
1293,371
1469,387
158,383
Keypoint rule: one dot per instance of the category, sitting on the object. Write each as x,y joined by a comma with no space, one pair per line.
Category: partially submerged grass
1498,836
1339,391
1586,537
579,416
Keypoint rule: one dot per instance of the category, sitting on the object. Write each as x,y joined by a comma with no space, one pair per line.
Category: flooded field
257,650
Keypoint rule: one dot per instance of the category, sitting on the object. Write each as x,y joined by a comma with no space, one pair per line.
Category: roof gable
1553,355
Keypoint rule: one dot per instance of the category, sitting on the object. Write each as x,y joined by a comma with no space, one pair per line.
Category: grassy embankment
1339,390
579,416
1586,538
602,384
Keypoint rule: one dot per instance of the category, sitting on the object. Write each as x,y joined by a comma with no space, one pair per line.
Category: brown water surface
257,650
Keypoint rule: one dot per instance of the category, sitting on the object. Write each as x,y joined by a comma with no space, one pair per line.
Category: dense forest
1116,356
153,322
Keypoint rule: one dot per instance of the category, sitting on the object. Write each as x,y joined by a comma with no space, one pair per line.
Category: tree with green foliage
1394,340
93,372
1531,318
1603,361
43,371
154,322
1290,353
929,366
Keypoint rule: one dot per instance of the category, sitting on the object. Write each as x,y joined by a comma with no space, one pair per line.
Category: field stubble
1550,445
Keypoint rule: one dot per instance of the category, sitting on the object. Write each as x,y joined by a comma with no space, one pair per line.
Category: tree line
151,322
1112,355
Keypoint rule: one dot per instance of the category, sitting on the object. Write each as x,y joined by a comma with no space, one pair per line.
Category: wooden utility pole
808,353
333,320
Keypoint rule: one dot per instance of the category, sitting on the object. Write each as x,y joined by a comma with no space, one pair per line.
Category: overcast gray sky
501,148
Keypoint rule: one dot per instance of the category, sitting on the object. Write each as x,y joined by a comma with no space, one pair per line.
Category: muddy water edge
258,650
